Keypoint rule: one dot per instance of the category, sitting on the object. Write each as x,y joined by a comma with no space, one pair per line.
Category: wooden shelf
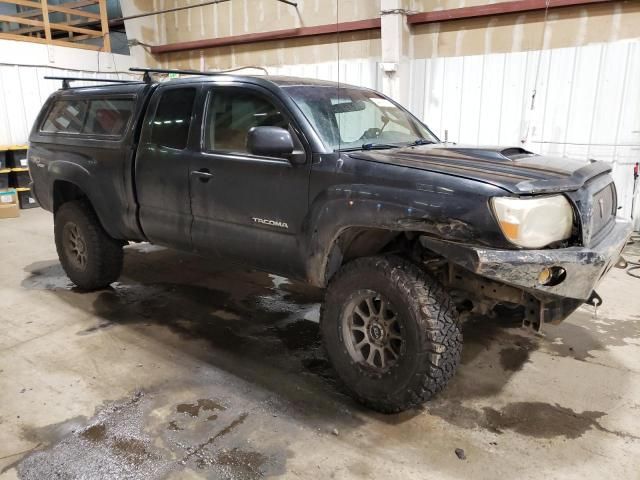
39,27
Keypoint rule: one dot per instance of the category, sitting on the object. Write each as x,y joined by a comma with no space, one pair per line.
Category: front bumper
521,268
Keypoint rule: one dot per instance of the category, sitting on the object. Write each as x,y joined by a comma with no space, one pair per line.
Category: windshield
352,118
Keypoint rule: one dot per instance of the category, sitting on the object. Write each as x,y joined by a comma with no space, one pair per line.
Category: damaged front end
549,280
549,283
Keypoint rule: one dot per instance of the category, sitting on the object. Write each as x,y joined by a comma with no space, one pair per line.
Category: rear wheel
89,256
391,332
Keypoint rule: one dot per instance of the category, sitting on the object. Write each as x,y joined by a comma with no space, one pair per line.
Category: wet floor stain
514,358
204,404
585,335
199,452
300,335
95,433
113,445
240,464
132,450
173,426
531,419
117,443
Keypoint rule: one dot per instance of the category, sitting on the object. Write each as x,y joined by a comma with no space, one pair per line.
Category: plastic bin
19,178
17,158
25,199
4,178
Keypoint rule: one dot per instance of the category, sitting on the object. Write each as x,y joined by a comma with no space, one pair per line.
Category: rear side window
108,116
66,116
172,119
103,116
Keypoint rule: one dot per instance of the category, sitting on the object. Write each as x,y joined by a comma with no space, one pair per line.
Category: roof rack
147,78
66,81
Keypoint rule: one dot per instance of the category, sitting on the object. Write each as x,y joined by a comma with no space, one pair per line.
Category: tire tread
441,344
105,265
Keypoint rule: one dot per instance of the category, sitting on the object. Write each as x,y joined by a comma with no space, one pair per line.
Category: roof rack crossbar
147,71
66,81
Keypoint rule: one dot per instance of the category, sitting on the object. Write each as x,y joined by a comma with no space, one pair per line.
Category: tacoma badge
273,223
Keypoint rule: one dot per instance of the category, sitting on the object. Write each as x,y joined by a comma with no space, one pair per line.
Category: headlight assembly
534,222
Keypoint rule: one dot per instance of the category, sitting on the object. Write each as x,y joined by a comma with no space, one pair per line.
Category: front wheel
89,256
391,333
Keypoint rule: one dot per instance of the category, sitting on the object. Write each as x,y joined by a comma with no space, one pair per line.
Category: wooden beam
499,8
69,28
45,18
36,29
72,11
21,38
62,8
59,43
344,27
21,21
104,23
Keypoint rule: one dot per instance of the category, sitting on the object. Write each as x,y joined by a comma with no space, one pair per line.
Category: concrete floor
189,369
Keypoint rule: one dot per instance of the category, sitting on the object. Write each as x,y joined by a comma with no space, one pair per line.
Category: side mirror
269,142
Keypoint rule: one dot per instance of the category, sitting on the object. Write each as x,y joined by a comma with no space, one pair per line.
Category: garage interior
190,367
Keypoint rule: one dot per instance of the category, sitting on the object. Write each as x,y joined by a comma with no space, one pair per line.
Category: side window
66,116
104,116
231,113
170,126
108,116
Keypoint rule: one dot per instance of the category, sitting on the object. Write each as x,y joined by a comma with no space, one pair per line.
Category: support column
395,43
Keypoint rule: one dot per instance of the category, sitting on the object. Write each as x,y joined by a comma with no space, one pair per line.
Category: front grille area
603,209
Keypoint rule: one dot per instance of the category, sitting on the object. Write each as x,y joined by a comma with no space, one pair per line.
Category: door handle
203,174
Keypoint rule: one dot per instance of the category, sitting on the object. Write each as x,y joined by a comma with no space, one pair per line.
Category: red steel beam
344,27
500,8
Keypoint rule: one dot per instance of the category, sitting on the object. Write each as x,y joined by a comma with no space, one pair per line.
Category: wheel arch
65,189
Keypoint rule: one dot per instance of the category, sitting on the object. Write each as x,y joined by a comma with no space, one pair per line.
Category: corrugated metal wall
22,93
586,105
364,72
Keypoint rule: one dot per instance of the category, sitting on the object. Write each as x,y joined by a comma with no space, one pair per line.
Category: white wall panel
23,89
586,105
489,118
513,99
23,92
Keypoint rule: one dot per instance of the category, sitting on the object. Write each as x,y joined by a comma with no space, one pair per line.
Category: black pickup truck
333,185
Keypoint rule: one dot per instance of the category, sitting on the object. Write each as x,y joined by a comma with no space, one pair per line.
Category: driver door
247,207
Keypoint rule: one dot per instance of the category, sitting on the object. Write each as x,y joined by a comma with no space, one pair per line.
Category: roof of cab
265,80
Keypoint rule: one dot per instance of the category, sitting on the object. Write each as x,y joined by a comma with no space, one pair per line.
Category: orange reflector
510,229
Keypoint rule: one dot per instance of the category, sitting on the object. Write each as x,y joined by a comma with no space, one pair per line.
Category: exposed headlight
534,222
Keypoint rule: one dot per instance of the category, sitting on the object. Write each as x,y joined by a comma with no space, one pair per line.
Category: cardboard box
9,204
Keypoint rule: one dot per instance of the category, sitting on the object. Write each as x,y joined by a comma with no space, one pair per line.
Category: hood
511,168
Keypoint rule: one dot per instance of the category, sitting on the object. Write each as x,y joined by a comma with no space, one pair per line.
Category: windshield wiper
370,146
420,141
378,146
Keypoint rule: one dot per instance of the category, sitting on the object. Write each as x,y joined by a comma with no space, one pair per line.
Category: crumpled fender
431,211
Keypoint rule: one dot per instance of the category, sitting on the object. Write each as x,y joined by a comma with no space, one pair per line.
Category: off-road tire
432,333
104,254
